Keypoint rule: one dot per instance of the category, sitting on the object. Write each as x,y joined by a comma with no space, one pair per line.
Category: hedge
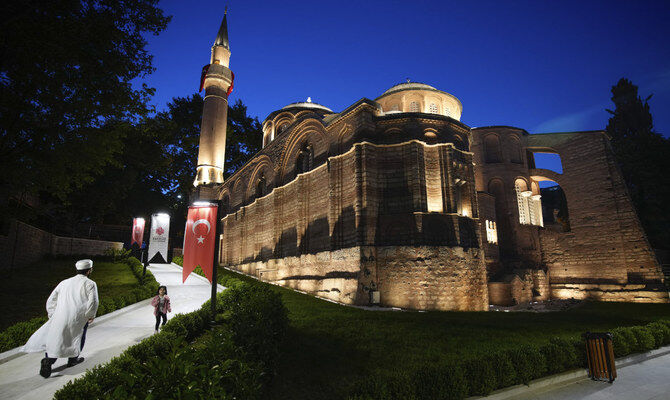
480,376
190,360
17,334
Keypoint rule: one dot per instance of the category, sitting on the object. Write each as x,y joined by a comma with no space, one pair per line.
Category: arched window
304,161
491,149
225,205
414,106
394,107
433,108
515,150
281,128
447,112
261,187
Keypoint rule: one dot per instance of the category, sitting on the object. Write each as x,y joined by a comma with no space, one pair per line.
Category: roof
307,104
408,86
222,35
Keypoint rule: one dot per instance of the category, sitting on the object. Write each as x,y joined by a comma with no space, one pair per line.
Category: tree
155,168
644,159
66,69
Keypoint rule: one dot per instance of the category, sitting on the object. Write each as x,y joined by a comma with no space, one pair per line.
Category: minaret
218,80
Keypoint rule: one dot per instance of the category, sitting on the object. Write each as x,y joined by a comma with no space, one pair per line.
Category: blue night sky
541,66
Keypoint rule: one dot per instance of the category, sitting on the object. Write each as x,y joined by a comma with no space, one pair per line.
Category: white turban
84,264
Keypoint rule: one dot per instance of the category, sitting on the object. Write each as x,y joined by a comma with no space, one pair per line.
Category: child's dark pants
160,315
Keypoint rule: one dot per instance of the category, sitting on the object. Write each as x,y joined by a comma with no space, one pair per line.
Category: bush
480,375
661,333
623,341
529,363
117,255
644,337
561,355
258,320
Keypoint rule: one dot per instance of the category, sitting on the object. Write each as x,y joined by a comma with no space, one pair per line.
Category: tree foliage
66,69
644,159
155,169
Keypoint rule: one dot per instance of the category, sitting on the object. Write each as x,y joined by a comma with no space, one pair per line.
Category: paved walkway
107,337
644,380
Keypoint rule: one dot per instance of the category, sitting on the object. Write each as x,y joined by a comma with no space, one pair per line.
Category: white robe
72,303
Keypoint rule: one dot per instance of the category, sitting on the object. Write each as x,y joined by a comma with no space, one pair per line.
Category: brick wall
309,233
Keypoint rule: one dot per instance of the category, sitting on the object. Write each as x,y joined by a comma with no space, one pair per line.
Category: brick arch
309,131
344,134
515,149
237,192
263,166
492,150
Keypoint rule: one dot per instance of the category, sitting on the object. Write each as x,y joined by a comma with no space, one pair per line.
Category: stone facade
396,202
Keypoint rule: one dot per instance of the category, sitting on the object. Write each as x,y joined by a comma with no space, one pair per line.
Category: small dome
307,104
408,86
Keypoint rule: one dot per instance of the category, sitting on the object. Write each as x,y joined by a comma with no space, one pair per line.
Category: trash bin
600,356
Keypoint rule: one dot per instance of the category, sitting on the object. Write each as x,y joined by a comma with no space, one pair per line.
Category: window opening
414,107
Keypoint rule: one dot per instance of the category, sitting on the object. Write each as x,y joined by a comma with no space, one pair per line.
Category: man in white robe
71,307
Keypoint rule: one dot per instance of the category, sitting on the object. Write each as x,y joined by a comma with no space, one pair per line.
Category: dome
307,104
408,86
416,97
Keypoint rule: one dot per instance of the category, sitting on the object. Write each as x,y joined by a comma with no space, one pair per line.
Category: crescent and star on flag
201,239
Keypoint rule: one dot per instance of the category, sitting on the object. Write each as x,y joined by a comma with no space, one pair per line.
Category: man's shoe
71,362
45,367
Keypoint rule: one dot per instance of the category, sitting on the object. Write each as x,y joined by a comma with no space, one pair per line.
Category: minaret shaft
218,80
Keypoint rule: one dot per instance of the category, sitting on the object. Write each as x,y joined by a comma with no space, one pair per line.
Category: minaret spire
222,36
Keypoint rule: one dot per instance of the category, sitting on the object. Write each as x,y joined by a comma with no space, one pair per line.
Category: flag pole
215,264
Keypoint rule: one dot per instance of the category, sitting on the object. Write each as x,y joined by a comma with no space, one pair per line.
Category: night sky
541,66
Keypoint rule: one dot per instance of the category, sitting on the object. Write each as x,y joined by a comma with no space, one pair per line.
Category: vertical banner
200,240
138,231
158,240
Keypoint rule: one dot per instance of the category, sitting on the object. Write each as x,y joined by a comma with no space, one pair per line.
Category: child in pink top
161,304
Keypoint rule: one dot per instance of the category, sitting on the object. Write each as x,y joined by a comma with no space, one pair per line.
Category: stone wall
606,243
26,244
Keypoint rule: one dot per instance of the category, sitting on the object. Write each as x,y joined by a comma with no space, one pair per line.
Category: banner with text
138,231
158,240
200,240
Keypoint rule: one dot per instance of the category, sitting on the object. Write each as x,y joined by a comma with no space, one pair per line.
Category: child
161,303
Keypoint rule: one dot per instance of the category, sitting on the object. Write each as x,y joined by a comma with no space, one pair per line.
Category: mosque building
396,202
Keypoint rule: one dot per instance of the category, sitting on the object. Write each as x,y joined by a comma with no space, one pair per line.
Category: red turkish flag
138,231
199,240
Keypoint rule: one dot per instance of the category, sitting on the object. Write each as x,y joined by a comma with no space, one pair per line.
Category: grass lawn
24,291
329,346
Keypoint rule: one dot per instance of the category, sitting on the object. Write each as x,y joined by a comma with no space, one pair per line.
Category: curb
566,378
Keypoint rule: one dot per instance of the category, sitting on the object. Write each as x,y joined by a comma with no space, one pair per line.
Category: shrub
258,320
644,337
117,255
560,355
504,370
480,375
661,333
529,362
623,341
18,334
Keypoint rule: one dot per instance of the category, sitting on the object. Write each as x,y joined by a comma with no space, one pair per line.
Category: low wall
25,244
